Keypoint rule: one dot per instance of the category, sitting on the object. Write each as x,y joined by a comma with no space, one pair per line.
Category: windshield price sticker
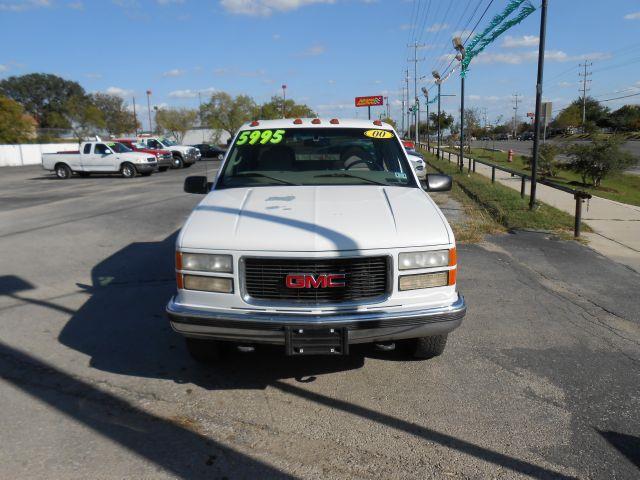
379,134
260,136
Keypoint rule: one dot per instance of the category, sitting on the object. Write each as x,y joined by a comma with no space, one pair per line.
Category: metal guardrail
579,195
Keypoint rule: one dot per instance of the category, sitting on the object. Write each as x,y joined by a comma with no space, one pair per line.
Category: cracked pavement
541,381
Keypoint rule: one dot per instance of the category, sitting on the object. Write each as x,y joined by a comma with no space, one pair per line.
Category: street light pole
457,44
438,80
426,96
536,130
135,117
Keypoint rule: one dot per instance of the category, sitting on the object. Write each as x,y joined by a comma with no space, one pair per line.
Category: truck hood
315,218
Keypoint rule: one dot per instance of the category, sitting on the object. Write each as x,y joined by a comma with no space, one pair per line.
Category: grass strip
504,204
620,187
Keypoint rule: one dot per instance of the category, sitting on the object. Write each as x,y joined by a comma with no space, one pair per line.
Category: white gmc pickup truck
316,234
100,157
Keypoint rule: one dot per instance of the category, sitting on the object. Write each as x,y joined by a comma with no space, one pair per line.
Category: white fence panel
30,154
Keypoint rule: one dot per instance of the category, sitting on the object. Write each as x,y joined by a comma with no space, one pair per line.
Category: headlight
208,284
414,260
206,263
424,280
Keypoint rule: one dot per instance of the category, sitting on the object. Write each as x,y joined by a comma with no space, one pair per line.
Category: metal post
536,130
417,119
428,141
493,174
369,111
522,186
461,123
439,85
576,229
284,101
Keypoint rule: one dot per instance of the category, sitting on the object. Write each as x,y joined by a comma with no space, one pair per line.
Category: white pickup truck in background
100,157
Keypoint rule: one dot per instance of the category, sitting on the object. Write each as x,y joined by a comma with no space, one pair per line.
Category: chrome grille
365,278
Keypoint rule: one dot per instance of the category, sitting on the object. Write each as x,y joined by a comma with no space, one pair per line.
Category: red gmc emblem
323,280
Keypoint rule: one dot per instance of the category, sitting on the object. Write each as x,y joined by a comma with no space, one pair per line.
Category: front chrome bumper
362,327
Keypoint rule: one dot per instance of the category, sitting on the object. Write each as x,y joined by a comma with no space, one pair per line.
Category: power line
618,98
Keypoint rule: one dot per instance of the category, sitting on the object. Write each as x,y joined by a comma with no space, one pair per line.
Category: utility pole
386,102
459,47
135,117
536,130
416,99
402,130
585,81
516,97
284,101
149,108
406,81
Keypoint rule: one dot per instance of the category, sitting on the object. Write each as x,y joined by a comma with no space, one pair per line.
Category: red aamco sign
373,101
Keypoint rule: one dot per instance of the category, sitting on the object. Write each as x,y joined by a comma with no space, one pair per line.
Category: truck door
104,160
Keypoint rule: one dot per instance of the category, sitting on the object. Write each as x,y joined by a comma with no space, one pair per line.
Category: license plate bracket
306,340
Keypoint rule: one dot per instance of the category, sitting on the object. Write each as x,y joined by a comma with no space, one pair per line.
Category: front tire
203,351
429,347
128,171
177,162
63,171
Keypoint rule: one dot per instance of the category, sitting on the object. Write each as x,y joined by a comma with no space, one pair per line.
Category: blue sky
326,51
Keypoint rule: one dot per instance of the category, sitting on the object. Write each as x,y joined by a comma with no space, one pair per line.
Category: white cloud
22,5
188,93
521,57
437,27
3,68
76,5
406,26
266,7
331,82
176,72
313,51
462,33
93,76
119,92
523,41
632,16
565,84
169,2
276,36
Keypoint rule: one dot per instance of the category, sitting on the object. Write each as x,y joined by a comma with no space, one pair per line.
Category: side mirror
196,185
439,183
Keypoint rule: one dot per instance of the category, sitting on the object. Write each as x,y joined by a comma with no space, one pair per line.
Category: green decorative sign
496,28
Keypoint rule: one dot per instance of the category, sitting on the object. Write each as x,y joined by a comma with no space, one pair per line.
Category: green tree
390,121
83,116
117,117
43,95
15,125
273,109
176,121
571,116
446,120
596,159
227,113
625,119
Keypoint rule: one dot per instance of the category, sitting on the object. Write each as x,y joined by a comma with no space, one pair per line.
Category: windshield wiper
256,174
350,175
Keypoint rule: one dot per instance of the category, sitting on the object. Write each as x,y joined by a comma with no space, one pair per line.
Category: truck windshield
167,142
118,147
316,156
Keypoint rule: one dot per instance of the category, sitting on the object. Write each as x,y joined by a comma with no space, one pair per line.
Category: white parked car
418,163
100,157
315,235
183,155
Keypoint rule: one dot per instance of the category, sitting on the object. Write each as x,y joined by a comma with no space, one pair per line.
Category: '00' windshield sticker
379,134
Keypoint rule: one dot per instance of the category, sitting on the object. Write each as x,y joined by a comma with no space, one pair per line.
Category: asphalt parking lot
542,380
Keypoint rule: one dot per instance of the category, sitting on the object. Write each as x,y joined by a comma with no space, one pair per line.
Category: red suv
165,157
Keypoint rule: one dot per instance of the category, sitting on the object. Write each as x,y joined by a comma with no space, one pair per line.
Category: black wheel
177,162
63,171
429,347
127,170
204,351
163,169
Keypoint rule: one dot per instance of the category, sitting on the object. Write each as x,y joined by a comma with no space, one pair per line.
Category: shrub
596,159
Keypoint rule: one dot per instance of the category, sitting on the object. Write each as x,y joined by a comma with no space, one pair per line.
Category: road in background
541,380
524,148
